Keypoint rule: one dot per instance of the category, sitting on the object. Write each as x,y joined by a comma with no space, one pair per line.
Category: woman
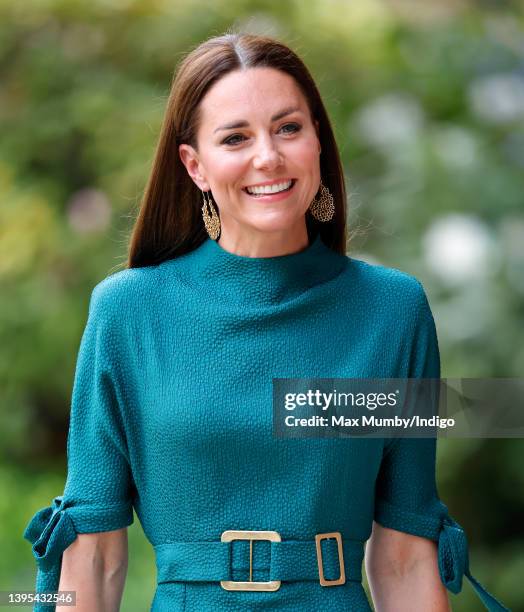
172,401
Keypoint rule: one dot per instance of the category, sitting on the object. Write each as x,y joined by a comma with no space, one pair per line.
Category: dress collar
260,281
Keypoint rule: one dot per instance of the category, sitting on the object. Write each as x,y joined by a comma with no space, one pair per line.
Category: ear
190,159
317,130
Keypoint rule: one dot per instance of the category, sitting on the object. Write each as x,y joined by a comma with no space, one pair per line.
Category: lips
277,182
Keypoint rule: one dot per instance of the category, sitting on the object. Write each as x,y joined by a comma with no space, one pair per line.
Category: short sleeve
98,494
406,496
406,492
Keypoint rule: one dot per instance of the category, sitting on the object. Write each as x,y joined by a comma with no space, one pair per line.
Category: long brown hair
170,222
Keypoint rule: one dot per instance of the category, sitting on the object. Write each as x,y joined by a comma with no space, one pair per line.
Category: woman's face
256,128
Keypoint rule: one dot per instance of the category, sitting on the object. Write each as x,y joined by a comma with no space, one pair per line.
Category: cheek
305,154
225,169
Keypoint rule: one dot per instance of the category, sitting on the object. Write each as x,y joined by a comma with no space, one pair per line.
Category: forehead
251,94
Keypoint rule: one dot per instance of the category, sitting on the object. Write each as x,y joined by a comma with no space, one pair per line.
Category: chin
274,223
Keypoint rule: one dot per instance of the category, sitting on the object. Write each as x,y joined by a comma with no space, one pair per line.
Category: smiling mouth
269,193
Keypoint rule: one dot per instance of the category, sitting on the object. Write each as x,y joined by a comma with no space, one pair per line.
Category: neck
264,244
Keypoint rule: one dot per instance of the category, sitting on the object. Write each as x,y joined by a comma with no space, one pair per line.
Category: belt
328,559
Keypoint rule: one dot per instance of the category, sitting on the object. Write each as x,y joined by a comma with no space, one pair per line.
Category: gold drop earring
323,208
210,216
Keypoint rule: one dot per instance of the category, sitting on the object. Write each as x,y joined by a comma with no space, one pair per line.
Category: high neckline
260,281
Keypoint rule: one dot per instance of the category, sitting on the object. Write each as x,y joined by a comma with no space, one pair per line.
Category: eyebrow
244,123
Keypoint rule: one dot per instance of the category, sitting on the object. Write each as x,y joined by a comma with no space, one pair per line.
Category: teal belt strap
453,563
287,560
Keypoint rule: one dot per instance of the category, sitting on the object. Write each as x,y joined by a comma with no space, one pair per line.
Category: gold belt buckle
232,585
342,578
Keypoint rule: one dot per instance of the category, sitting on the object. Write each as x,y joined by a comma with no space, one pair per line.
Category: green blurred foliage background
427,102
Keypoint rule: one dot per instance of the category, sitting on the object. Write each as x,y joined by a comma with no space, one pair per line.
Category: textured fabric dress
172,417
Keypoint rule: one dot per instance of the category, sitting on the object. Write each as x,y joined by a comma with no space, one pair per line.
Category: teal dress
172,417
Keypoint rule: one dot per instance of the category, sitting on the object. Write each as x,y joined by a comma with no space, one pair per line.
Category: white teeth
269,188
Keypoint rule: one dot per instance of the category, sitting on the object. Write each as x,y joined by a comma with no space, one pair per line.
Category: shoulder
122,291
390,297
389,285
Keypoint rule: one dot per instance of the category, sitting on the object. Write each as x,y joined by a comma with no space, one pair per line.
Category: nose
267,156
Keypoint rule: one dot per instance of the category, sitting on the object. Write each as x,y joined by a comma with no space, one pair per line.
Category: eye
295,127
230,140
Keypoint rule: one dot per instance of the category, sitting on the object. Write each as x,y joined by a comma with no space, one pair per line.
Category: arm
402,563
402,572
95,566
100,491
414,540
